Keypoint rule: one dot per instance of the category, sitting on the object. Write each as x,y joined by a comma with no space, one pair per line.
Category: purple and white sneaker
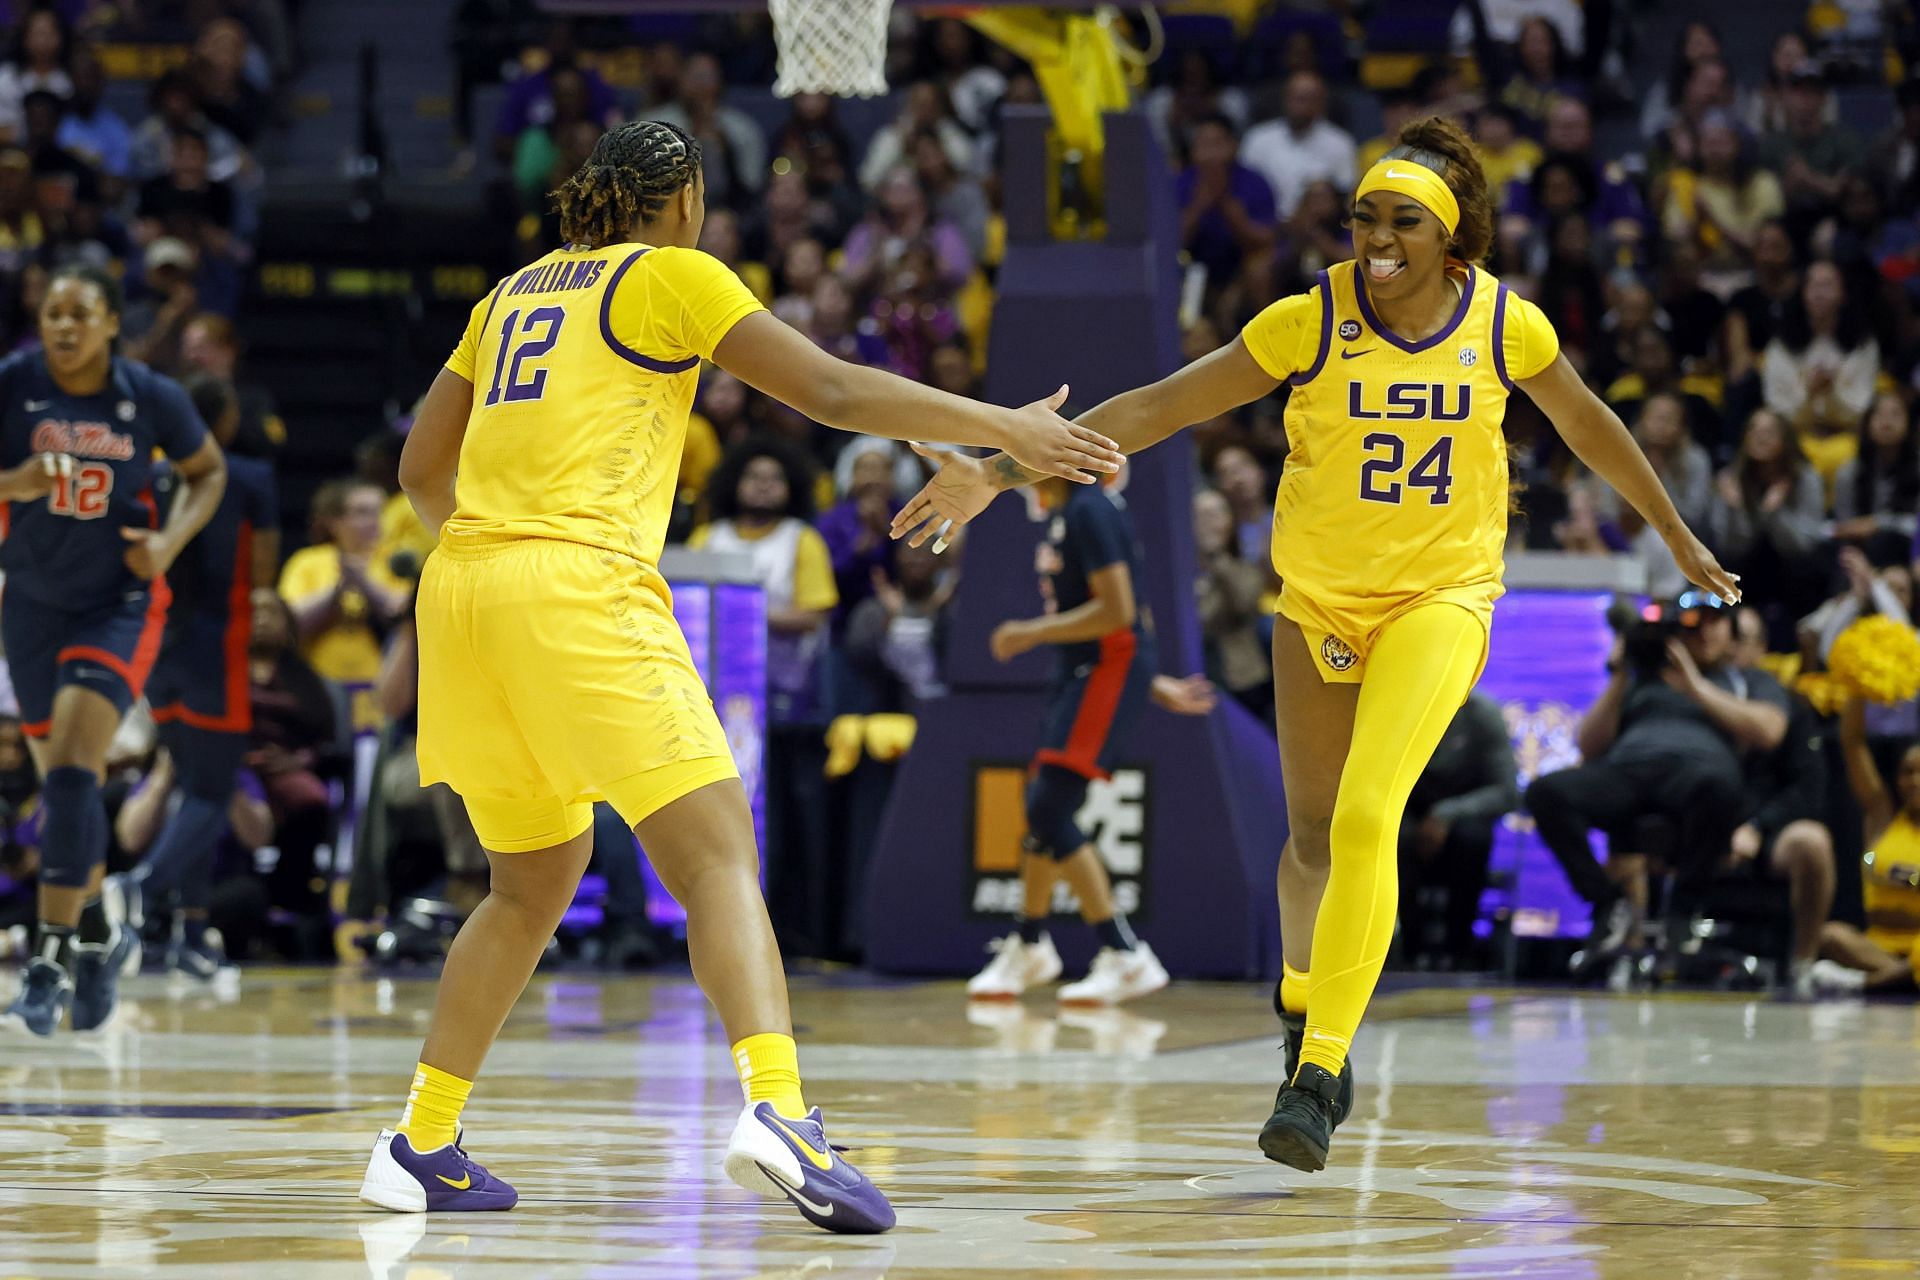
772,1154
445,1179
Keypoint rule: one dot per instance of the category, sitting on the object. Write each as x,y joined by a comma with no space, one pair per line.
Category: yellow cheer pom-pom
1878,658
1828,696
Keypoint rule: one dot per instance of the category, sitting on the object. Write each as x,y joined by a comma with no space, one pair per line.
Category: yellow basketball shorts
553,675
1340,640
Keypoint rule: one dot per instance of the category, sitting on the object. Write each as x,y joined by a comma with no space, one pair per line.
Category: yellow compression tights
1420,671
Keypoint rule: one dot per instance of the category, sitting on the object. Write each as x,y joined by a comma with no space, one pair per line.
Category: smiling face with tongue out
1399,245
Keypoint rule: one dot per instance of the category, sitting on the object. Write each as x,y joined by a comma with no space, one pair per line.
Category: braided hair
635,170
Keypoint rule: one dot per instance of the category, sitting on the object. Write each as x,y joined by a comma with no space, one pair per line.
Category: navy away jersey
1091,532
65,550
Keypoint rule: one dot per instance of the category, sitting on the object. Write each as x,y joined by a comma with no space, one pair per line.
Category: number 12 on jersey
1387,454
536,337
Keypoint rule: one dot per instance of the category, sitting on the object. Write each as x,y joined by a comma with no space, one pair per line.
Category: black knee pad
1053,797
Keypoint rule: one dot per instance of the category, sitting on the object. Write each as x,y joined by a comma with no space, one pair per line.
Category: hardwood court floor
1498,1133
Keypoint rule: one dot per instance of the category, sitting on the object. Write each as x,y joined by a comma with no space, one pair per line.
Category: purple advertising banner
1546,667
726,628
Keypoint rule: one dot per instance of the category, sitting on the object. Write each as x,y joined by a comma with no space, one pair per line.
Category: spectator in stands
734,153
172,107
53,163
38,60
1398,107
925,107
1876,493
1782,837
1229,592
94,130
813,141
1757,312
1668,743
1767,108
1697,42
529,100
1653,369
1192,95
1302,146
1446,834
1226,209
720,236
1506,154
21,232
343,600
1570,290
1818,372
1695,313
898,221
1766,521
1685,471
1313,238
1810,152
1238,476
211,345
855,528
1540,72
788,215
1720,206
1895,157
958,59
1887,953
834,328
1886,593
293,747
799,270
1617,207
538,147
761,499
913,311
191,206
155,322
539,229
896,641
226,97
957,197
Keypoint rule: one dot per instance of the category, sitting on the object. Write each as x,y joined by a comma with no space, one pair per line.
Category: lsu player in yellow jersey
1387,536
552,674
1886,957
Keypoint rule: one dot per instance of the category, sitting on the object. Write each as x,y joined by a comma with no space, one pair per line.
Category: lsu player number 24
1388,527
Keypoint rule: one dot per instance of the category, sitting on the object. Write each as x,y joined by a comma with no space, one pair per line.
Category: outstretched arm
1598,438
771,356
1863,775
1134,420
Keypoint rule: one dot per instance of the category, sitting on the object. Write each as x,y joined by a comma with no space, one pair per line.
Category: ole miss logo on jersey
82,440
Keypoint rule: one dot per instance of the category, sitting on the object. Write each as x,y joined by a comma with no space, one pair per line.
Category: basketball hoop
837,47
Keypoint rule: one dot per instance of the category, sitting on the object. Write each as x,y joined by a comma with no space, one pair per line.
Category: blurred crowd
1730,258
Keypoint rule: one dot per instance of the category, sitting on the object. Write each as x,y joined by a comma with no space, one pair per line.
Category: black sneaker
1295,1025
1300,1129
1606,940
46,992
96,978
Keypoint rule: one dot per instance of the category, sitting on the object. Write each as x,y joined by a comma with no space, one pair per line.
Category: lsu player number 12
552,674
1388,528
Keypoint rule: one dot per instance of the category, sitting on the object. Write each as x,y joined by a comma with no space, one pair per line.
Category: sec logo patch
1468,357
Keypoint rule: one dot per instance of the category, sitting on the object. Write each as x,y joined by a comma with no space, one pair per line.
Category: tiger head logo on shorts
1337,653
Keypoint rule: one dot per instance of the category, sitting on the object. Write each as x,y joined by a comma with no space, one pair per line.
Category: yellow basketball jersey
1395,487
584,366
1890,885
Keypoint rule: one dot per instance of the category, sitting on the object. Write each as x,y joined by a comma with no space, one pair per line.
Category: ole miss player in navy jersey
1089,566
199,689
85,557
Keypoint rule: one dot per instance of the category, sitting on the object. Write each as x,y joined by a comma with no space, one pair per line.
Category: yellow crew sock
1293,988
432,1117
769,1067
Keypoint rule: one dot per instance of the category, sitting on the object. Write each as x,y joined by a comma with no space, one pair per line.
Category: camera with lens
1645,634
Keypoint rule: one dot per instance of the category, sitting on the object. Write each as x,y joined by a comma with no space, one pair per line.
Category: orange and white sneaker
1117,976
1016,965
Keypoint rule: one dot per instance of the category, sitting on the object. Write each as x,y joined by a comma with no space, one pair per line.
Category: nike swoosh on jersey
813,1157
1349,355
466,1180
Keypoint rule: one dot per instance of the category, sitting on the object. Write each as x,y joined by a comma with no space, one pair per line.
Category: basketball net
837,47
